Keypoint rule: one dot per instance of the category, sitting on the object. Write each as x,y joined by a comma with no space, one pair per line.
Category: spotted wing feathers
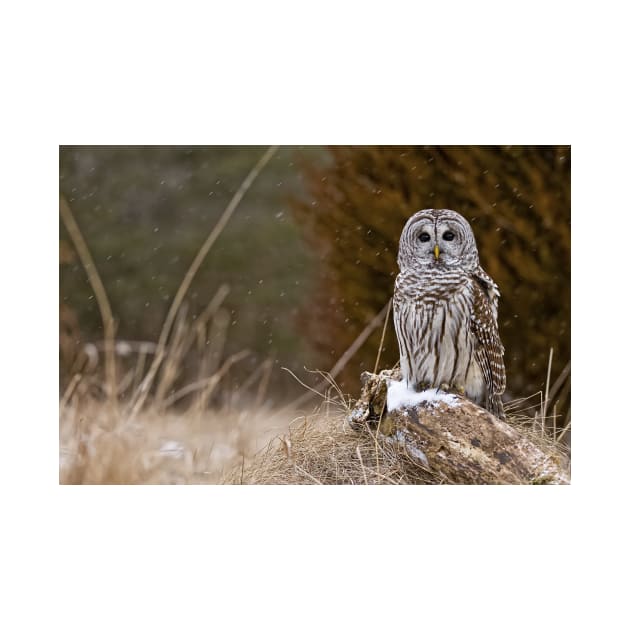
489,349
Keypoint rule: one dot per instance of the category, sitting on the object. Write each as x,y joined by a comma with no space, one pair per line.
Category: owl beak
436,251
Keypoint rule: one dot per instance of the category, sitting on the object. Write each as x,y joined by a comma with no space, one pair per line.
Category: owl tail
495,406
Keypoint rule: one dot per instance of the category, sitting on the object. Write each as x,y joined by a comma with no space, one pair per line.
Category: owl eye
424,237
448,236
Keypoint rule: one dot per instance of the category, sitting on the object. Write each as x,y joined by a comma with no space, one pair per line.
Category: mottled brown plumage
445,311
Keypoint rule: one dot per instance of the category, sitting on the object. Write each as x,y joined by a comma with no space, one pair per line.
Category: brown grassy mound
323,449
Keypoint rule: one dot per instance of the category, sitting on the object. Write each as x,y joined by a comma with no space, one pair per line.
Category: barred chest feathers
437,345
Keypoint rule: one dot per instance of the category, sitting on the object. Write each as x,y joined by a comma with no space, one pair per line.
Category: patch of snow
356,414
172,449
223,452
64,457
123,348
399,395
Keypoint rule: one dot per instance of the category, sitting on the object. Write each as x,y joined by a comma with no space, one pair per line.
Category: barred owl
445,311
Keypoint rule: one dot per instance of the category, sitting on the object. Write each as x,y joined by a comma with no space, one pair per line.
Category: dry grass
546,415
186,432
323,449
99,446
228,446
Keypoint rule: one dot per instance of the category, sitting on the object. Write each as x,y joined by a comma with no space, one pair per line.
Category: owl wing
489,287
489,349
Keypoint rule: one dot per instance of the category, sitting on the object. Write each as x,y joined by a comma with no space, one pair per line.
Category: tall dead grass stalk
107,317
143,390
343,359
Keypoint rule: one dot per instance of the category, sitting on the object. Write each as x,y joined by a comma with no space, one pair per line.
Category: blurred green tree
145,211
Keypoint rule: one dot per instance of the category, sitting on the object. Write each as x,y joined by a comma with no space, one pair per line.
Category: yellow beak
436,251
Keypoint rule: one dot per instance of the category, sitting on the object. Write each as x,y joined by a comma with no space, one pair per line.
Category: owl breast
434,335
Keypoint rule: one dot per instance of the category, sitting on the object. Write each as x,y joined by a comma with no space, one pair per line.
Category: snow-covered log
454,438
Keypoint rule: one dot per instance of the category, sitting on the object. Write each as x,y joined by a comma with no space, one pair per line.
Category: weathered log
454,438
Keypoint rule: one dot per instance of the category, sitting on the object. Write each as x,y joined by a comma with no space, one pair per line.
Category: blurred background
145,212
307,262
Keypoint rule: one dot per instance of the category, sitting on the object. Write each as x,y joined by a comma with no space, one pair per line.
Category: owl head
434,239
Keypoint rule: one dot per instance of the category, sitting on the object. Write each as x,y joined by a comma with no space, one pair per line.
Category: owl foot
452,387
